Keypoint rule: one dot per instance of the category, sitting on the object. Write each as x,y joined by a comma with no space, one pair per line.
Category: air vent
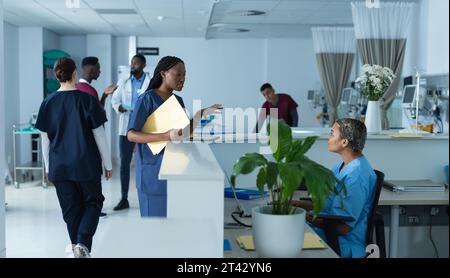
241,30
246,13
116,11
226,28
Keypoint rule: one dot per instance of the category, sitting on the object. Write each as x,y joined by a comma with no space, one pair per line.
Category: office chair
375,222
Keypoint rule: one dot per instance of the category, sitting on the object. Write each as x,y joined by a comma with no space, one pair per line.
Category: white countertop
189,161
299,133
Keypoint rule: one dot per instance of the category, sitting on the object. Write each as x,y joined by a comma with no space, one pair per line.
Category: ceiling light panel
108,4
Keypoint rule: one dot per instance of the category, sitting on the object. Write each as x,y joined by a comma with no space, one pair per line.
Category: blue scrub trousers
126,154
152,205
81,204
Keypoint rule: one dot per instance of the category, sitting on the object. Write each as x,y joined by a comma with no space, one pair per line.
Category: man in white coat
123,101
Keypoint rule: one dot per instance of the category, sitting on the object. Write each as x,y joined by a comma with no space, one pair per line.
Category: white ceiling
181,18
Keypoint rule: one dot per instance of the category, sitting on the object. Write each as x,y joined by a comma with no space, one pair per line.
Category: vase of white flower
373,82
373,117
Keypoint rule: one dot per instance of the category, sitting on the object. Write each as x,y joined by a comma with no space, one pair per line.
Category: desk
237,252
396,199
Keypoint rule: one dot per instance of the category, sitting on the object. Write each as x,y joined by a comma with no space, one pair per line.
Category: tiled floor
34,223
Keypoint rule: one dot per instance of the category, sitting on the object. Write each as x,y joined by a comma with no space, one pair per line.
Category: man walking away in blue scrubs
124,102
347,138
74,146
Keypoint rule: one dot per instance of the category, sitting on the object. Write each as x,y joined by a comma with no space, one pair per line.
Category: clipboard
170,115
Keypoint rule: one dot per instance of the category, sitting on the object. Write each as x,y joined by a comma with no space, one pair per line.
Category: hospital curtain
381,38
335,52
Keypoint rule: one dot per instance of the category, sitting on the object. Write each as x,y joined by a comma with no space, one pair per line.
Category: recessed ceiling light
73,4
246,13
116,11
160,18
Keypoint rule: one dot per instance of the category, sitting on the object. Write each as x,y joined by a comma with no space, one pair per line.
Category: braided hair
164,64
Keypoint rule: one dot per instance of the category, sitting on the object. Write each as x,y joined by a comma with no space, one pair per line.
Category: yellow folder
310,241
170,115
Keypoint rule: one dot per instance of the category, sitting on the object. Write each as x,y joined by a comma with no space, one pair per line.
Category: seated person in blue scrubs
169,76
74,146
347,138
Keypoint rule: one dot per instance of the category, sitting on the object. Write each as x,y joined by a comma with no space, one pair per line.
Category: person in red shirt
91,71
287,107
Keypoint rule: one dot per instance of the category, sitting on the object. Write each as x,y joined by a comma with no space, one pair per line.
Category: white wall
2,143
437,37
232,71
50,40
31,70
11,86
75,46
120,56
427,47
217,71
292,69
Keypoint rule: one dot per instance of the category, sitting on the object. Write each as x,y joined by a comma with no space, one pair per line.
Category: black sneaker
123,204
102,214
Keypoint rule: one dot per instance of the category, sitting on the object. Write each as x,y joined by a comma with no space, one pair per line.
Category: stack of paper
414,186
404,135
170,115
311,241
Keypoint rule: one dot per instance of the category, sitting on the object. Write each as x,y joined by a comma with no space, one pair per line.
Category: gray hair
354,131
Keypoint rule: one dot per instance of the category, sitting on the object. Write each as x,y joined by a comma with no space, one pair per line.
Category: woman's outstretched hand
210,110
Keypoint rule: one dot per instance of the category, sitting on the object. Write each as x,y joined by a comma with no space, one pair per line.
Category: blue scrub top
360,181
136,85
148,164
68,118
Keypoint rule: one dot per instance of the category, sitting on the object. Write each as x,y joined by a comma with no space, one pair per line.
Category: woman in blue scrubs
168,76
347,138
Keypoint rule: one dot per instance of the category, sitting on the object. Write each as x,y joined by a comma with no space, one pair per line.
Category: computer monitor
409,94
310,95
346,93
409,80
354,98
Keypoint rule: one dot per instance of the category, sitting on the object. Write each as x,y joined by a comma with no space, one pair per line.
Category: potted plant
373,82
278,228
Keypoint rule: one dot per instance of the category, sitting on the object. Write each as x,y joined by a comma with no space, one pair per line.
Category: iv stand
417,100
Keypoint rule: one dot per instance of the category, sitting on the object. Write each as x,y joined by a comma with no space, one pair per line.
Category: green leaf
261,179
246,164
307,143
296,146
320,182
280,138
272,174
291,175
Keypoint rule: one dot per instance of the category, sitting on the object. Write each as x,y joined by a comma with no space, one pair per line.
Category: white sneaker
81,251
69,248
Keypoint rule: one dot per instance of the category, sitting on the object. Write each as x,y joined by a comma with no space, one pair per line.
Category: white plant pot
373,117
278,236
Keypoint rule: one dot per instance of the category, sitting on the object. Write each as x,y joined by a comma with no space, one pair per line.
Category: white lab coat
122,96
